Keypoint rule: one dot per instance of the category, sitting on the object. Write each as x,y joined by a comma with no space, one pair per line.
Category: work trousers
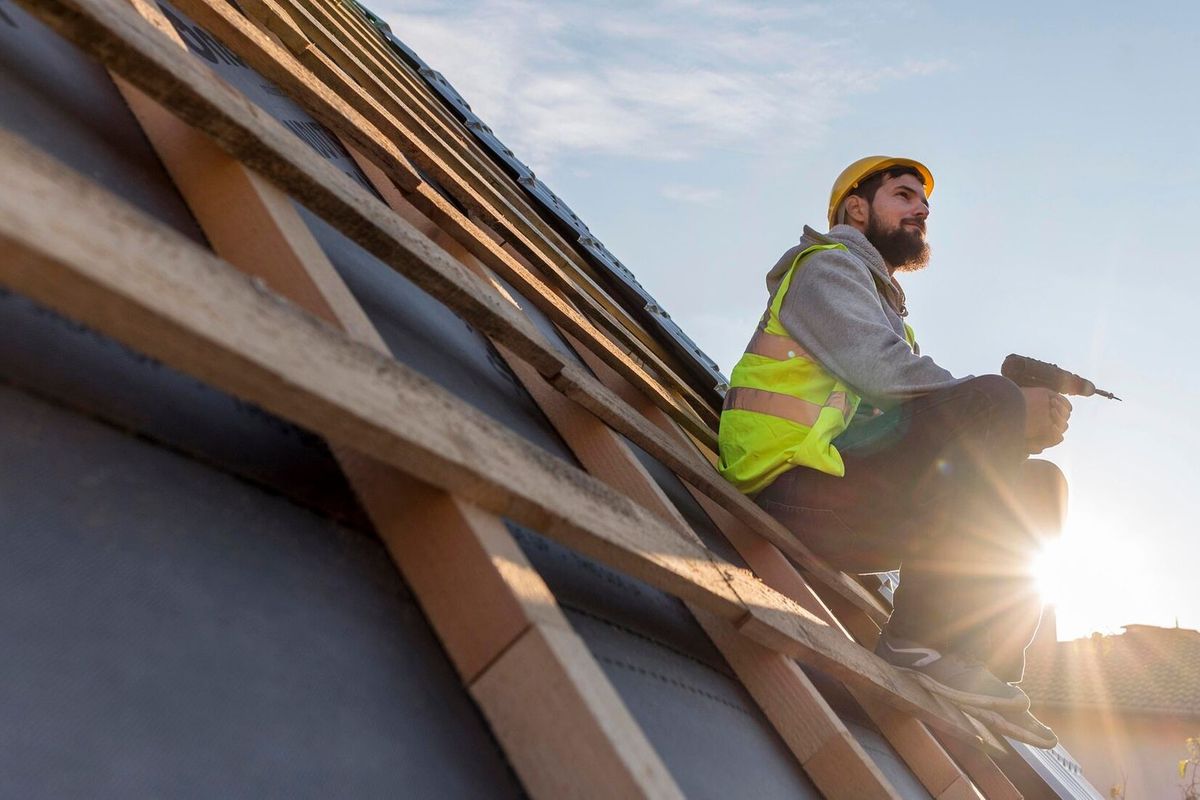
942,488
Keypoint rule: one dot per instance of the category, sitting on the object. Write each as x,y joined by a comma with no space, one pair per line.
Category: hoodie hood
858,246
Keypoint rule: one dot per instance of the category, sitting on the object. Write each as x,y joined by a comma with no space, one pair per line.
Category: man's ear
857,209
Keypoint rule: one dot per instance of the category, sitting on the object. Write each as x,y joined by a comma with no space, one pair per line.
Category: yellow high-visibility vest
783,409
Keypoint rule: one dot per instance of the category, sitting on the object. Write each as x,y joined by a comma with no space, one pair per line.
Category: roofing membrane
199,575
263,478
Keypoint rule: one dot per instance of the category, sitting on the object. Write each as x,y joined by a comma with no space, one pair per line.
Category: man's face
897,223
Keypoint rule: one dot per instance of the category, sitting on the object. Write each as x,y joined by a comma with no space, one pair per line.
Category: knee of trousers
1044,492
1046,474
1000,402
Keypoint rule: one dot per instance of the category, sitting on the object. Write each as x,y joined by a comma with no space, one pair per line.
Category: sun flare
1089,574
1050,569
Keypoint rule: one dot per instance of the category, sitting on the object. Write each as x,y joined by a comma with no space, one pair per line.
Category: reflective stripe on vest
780,348
783,406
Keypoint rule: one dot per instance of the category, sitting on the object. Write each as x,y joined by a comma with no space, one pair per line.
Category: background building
1123,705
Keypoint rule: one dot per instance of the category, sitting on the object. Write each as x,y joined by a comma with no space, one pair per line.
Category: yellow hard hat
854,174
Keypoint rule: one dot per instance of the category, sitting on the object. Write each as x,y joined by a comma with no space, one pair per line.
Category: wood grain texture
345,107
97,260
472,177
142,56
830,754
911,739
150,61
784,693
536,689
992,782
615,410
481,596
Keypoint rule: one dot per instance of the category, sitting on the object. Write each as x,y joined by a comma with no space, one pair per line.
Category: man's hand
1046,416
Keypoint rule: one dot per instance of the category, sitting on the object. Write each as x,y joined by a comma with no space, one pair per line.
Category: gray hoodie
847,310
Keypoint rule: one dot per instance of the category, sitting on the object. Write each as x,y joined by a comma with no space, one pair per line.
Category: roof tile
1144,669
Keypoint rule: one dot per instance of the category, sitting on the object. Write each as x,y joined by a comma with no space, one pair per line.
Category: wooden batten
931,764
470,178
245,341
789,700
282,330
134,50
493,613
805,721
348,110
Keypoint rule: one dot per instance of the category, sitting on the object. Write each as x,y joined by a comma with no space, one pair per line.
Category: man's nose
922,211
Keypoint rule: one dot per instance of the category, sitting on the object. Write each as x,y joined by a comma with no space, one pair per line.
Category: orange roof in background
1146,669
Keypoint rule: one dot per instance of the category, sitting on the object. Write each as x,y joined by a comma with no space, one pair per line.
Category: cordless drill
1029,372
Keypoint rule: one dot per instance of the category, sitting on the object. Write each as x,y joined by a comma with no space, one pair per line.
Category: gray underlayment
194,604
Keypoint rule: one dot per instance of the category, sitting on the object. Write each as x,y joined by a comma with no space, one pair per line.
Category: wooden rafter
136,51
348,110
243,340
830,755
497,619
167,298
304,27
931,764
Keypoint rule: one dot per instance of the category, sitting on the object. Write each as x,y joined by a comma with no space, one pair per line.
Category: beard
904,250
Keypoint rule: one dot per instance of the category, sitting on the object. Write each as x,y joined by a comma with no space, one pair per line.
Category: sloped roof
1145,669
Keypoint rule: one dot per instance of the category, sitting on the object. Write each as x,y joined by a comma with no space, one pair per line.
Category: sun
1077,574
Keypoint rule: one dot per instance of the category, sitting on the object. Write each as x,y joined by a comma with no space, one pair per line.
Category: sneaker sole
1010,729
984,701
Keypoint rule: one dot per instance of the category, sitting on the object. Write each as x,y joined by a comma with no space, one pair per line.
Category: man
878,457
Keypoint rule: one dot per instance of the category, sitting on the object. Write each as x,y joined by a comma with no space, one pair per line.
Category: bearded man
878,458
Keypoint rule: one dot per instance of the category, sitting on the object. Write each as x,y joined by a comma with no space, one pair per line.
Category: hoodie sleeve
834,311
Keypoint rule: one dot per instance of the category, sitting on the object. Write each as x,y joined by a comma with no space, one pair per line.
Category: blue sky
697,138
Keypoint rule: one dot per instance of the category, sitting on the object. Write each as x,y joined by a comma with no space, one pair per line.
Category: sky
696,139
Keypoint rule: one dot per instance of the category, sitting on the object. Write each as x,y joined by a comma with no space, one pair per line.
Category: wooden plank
332,109
547,701
355,47
604,455
488,606
914,743
615,411
189,90
830,754
817,738
74,247
521,679
347,109
545,698
992,782
266,237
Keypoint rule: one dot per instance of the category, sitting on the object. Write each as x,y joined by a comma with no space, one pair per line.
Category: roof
1146,669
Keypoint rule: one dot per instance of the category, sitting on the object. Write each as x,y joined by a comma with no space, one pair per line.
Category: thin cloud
661,81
